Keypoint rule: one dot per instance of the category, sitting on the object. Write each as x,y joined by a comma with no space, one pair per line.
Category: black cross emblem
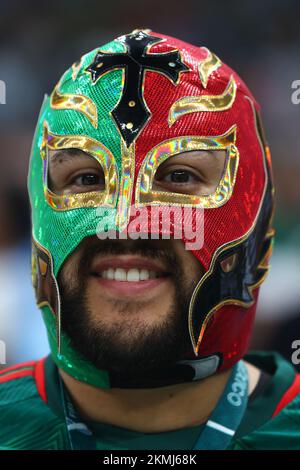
131,113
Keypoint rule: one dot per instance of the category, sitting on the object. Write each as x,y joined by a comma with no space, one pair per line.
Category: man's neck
152,410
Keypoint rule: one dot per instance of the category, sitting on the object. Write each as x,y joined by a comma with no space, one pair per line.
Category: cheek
191,266
194,271
68,275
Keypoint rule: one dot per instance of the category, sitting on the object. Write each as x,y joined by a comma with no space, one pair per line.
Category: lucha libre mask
131,105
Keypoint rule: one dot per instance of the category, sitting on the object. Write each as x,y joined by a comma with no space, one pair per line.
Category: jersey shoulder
26,421
21,382
282,430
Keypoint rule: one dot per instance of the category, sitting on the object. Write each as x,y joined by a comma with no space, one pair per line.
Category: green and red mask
132,104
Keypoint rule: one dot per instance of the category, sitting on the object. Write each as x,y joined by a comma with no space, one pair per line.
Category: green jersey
32,413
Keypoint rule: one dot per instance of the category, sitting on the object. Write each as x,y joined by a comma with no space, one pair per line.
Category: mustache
163,252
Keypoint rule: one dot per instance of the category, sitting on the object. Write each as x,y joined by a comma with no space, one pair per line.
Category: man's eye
89,179
179,176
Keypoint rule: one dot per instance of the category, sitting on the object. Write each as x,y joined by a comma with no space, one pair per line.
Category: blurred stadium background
39,40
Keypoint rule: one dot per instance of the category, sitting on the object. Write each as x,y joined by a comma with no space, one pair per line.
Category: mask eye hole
195,172
72,171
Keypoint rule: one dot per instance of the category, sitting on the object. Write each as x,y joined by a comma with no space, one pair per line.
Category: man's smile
127,275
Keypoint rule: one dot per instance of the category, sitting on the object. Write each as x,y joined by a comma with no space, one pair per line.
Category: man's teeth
131,275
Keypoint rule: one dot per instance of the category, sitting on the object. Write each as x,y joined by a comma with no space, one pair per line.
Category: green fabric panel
26,422
280,433
14,391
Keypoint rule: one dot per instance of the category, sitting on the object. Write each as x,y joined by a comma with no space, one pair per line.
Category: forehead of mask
61,231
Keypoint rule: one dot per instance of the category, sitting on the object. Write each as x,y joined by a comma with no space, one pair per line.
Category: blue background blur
39,40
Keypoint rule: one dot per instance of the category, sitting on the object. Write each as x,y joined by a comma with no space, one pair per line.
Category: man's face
125,302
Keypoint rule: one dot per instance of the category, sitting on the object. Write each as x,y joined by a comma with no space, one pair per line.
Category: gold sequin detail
126,185
75,69
97,150
196,104
80,103
207,66
145,195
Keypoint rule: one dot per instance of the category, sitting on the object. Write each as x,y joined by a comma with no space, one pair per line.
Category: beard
131,349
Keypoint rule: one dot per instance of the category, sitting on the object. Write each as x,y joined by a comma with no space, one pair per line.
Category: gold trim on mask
207,66
203,103
145,195
79,103
263,263
126,185
75,68
98,151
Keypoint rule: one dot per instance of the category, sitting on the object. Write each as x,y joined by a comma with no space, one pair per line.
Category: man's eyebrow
66,155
